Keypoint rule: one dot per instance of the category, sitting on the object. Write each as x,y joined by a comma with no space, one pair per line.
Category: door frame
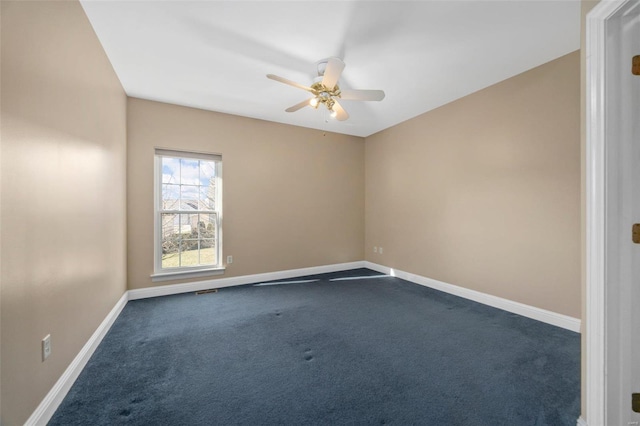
603,189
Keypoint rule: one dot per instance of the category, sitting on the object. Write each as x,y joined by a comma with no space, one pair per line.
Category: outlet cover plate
46,347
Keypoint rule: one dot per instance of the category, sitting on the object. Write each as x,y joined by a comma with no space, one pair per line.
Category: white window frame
166,274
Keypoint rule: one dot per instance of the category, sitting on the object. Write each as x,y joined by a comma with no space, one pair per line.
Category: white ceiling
214,55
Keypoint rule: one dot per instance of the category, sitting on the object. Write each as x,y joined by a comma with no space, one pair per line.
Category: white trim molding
53,399
165,290
581,422
599,188
559,320
180,275
595,220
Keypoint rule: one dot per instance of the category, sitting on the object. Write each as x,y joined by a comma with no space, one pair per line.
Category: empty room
305,212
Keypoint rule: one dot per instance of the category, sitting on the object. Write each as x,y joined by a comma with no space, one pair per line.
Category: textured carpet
351,347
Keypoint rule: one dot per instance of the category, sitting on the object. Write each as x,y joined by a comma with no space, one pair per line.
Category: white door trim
599,192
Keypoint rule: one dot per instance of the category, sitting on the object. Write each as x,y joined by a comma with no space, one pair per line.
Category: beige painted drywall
63,194
585,8
63,117
293,197
484,192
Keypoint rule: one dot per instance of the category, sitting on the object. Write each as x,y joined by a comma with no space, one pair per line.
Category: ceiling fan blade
362,95
298,106
332,72
341,114
289,82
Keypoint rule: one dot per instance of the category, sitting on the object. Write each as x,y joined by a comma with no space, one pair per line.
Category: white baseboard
52,400
532,312
165,290
582,422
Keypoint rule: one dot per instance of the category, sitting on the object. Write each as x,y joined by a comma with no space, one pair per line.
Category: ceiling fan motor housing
321,67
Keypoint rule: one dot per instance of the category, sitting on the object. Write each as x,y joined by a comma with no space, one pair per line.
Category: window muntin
188,211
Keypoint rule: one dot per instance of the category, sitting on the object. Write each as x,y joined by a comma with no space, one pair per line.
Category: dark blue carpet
368,350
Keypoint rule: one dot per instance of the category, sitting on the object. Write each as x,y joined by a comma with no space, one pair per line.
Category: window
188,209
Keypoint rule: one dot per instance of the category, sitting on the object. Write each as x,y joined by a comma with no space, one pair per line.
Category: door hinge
635,402
635,65
635,233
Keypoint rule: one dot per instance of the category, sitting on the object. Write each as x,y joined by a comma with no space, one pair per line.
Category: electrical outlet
229,260
46,347
375,249
380,250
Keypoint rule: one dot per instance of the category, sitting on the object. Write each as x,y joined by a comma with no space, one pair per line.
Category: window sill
179,275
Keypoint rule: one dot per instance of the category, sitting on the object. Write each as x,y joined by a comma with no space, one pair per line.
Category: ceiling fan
325,90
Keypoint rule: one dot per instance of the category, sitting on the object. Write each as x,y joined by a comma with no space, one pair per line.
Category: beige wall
63,194
293,197
484,192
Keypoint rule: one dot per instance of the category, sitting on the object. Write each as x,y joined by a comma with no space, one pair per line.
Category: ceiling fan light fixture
325,90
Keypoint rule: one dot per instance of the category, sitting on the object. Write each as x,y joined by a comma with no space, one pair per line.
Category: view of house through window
188,207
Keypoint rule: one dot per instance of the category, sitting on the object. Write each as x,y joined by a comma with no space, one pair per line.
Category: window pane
207,197
189,255
170,196
188,228
208,252
170,227
207,226
182,247
171,260
189,171
189,197
170,170
170,241
207,172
